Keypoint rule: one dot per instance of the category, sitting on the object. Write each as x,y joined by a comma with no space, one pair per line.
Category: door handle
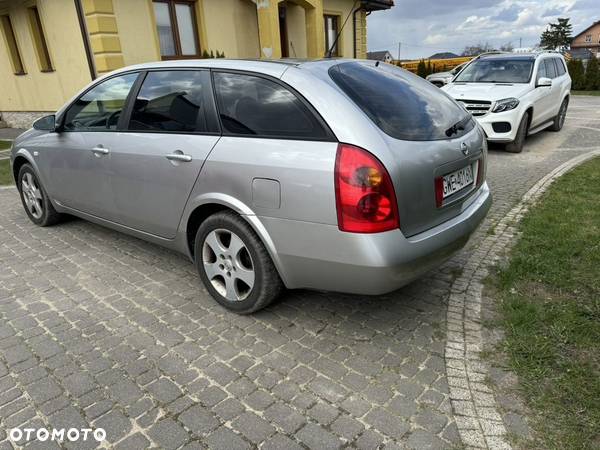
179,157
100,151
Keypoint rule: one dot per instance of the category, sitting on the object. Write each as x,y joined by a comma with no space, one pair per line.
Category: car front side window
541,72
99,108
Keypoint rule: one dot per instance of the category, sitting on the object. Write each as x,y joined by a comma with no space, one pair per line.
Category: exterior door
545,94
79,161
155,162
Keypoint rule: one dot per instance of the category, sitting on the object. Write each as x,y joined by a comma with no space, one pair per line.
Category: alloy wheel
228,264
32,194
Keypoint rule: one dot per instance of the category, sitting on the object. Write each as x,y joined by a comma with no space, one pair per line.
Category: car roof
273,67
528,55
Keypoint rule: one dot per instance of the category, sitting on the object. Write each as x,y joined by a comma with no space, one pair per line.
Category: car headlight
506,104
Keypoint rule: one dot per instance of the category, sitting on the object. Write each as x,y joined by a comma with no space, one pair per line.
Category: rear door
157,158
438,152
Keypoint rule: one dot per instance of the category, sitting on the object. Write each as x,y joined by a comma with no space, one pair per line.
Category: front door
156,160
79,161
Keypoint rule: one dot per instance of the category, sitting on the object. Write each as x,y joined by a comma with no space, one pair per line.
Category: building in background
49,49
588,39
383,55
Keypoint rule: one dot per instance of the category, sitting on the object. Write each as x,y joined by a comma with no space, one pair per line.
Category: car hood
440,75
485,91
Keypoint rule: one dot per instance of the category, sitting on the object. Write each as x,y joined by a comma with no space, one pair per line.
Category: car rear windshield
403,105
497,70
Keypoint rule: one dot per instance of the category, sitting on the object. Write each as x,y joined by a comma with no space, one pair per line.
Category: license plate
455,181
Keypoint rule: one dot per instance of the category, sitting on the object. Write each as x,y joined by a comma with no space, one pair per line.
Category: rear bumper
319,256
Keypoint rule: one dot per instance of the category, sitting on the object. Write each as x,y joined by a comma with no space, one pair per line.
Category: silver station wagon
340,175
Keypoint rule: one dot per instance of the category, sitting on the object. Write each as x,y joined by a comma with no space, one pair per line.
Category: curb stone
477,415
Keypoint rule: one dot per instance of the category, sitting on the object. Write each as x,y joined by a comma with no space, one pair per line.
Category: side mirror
544,82
46,123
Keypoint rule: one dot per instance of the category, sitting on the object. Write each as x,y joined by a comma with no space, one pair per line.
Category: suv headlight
506,104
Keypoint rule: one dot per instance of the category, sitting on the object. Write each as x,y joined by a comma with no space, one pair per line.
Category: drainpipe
86,41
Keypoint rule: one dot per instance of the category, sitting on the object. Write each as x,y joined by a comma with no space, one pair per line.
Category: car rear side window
174,101
560,66
256,106
99,108
403,105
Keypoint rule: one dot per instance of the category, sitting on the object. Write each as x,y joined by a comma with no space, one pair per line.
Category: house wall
37,91
296,30
342,8
123,32
580,42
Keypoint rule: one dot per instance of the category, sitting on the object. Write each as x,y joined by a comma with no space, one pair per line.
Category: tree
557,36
577,71
422,69
477,49
429,69
592,75
508,47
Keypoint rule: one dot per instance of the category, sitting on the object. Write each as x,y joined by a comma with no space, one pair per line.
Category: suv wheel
559,120
234,265
37,205
516,146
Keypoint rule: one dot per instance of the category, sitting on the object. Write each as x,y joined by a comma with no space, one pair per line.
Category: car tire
516,146
227,252
35,200
559,120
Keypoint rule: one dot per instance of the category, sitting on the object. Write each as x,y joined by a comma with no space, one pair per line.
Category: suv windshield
403,105
497,70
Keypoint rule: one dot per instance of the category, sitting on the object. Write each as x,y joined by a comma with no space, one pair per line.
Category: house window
177,29
588,38
39,40
331,31
11,44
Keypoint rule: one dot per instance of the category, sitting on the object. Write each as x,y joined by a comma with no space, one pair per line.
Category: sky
425,27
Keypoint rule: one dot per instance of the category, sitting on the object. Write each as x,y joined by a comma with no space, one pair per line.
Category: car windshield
497,70
401,104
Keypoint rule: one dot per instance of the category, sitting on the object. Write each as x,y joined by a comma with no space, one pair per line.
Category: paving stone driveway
98,329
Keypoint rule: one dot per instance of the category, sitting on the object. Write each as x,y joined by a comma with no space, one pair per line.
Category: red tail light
364,193
439,191
480,170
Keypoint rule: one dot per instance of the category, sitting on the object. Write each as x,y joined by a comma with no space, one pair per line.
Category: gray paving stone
115,424
280,442
317,438
168,434
225,439
255,428
199,420
136,441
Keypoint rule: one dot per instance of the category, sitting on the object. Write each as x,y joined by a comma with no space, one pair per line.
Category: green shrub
577,73
592,75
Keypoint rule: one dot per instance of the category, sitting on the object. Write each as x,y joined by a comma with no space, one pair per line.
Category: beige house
589,39
49,49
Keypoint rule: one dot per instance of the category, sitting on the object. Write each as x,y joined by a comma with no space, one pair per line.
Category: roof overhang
376,5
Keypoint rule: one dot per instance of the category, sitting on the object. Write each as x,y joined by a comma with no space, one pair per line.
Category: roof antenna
339,33
377,64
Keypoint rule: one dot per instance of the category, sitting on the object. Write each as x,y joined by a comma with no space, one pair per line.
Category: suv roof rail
542,51
495,52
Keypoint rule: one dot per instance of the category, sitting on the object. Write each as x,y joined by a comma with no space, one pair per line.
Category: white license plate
455,181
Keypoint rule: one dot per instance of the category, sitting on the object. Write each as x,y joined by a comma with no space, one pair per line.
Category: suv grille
476,107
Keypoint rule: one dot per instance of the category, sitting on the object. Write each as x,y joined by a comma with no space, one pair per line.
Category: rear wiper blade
458,126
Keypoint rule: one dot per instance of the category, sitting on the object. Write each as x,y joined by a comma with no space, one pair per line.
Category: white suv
514,95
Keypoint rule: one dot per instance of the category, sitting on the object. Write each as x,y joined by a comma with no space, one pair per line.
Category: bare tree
474,50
